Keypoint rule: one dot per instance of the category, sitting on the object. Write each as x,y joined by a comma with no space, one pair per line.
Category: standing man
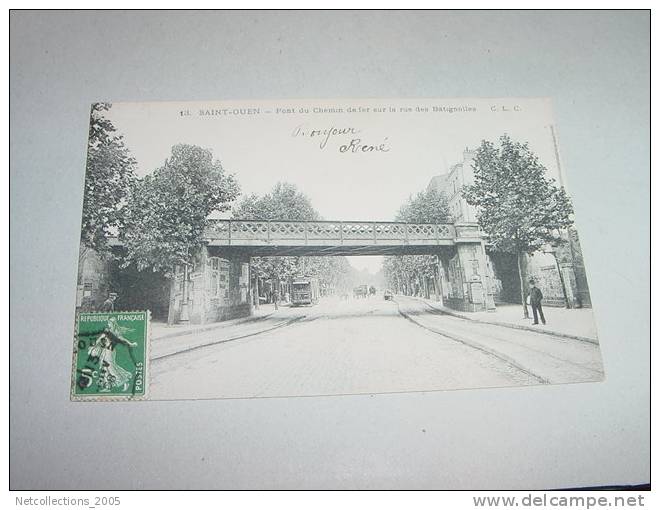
535,298
276,298
109,304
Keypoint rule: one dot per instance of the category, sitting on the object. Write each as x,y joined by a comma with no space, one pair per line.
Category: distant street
367,346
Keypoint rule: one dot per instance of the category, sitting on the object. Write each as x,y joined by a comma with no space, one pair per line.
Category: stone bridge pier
218,288
465,274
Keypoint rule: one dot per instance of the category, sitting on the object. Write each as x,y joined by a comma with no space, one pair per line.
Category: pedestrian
276,298
87,304
109,304
535,298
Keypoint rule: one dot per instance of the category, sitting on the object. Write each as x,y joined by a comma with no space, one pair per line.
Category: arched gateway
220,286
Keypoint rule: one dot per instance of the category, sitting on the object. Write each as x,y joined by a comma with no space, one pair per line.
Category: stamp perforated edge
113,398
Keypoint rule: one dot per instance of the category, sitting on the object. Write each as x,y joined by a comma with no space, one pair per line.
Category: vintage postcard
110,356
277,248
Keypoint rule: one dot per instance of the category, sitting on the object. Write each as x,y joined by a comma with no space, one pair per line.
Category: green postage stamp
110,356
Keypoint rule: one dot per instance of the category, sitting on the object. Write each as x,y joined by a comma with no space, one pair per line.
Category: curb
507,324
480,347
225,340
211,327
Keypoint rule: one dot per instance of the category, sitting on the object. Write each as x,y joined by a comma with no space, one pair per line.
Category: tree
518,207
334,273
405,272
429,206
168,210
108,177
286,202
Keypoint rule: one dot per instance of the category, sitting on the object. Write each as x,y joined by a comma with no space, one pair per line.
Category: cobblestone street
363,346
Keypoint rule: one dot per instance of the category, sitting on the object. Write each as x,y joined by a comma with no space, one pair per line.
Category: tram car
361,292
304,291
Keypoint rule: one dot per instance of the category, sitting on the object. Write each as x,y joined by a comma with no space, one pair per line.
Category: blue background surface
594,65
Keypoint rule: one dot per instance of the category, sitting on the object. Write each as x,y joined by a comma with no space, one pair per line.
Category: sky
318,144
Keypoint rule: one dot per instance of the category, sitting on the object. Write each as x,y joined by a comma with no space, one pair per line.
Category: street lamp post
185,315
184,318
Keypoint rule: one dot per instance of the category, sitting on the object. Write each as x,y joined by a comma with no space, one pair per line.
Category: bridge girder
336,238
330,251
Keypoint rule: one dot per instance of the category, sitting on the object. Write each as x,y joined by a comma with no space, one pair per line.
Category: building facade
218,287
559,270
450,184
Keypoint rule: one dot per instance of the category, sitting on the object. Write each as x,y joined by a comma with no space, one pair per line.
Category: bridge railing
274,230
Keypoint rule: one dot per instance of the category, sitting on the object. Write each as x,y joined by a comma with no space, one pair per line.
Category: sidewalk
168,340
578,323
161,330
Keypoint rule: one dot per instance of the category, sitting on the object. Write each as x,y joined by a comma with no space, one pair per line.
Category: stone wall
93,280
544,266
466,278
